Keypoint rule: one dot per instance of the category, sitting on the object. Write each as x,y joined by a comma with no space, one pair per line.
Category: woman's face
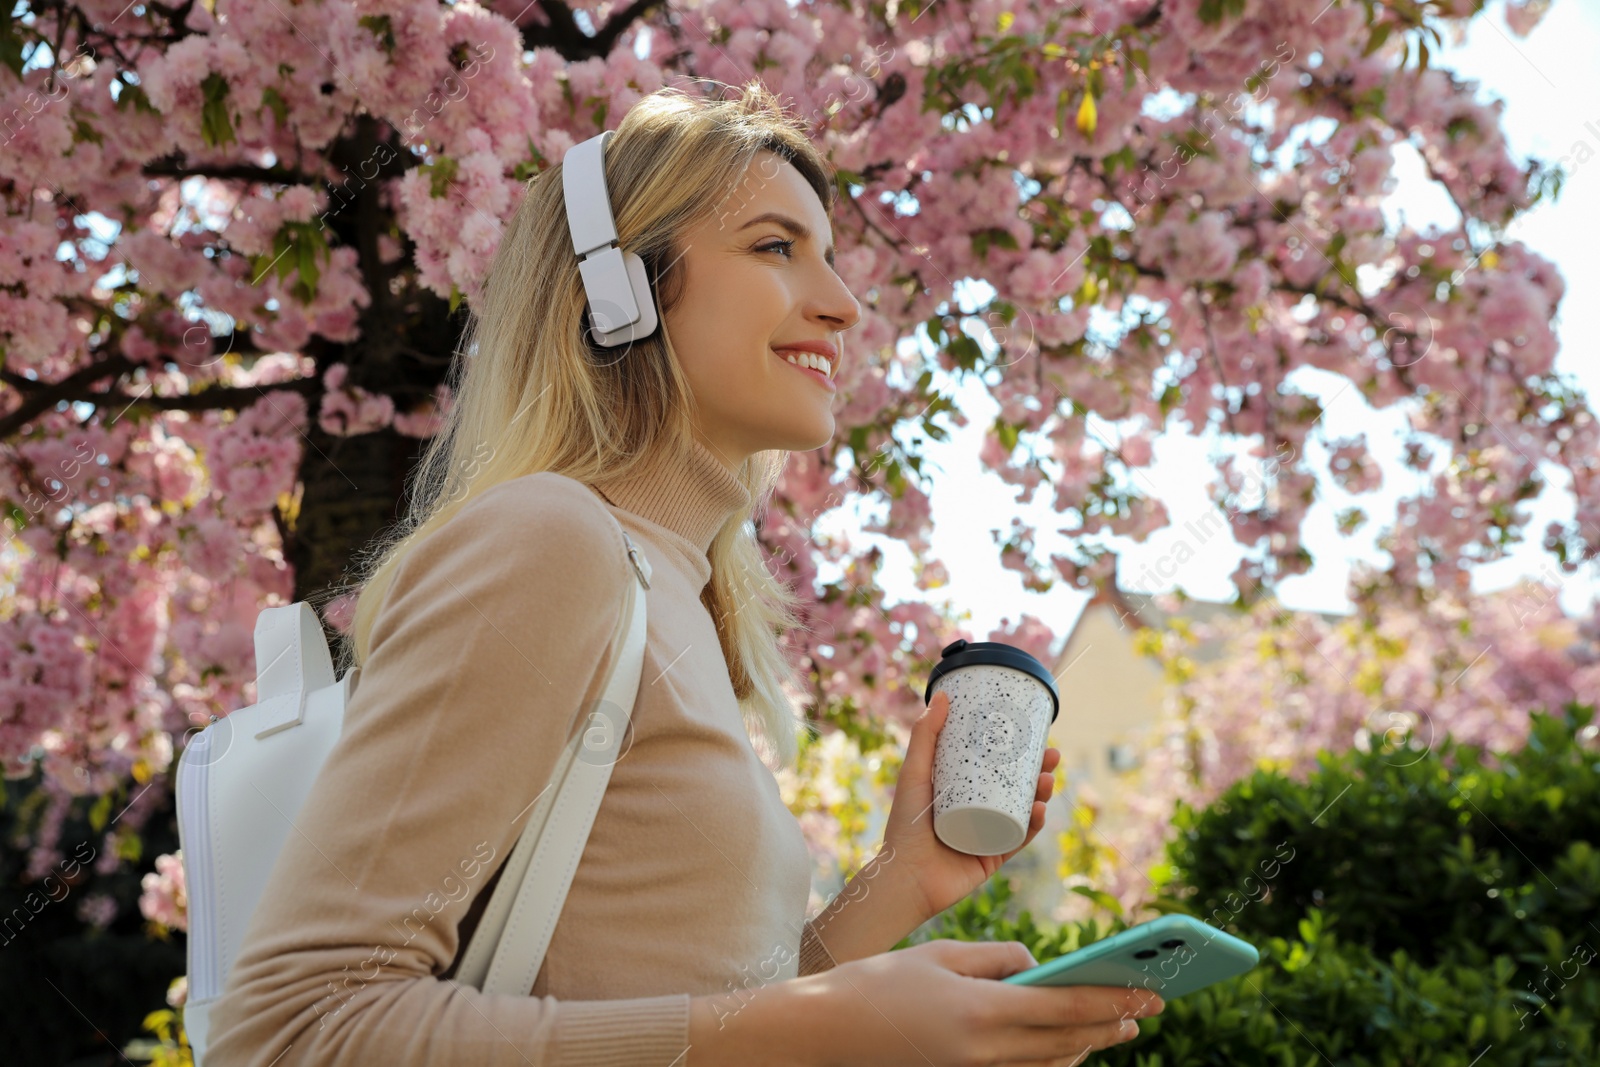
753,284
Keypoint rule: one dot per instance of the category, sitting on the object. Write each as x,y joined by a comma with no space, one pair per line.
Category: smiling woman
762,296
484,637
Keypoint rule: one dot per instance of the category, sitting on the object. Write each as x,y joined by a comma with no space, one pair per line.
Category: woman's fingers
945,991
1059,1007
1047,778
981,959
1042,1046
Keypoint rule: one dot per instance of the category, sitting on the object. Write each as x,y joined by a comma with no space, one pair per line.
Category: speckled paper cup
989,754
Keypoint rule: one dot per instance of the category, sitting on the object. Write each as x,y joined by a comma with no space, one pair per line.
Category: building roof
1135,611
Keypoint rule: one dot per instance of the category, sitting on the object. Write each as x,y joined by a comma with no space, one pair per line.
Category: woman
482,636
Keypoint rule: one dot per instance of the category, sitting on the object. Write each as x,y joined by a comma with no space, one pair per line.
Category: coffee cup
990,752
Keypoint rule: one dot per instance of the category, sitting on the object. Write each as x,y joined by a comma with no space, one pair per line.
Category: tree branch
1216,360
614,28
562,32
224,396
39,397
175,166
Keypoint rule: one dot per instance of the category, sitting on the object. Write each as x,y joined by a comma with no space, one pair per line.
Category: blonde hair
532,394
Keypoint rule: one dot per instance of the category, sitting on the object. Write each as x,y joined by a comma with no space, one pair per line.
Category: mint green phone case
1171,956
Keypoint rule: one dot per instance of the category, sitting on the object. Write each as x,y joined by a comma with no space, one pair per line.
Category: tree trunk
351,491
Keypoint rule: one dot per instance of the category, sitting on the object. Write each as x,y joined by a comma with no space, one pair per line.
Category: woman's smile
791,356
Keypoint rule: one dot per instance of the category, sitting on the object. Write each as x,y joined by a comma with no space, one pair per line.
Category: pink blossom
97,910
1523,15
165,899
1353,467
348,409
1029,633
1192,249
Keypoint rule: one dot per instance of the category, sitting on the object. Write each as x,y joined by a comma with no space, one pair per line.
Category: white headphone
621,306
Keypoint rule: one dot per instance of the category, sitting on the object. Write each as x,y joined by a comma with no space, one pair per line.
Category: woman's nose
836,304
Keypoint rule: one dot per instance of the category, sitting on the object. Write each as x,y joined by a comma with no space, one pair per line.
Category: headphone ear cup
639,283
639,277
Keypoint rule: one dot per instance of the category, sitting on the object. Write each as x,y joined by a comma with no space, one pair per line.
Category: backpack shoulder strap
508,945
292,660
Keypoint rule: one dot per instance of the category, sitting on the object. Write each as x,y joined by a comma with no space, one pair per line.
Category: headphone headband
622,307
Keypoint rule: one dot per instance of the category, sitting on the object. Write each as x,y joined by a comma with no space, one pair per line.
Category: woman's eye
786,246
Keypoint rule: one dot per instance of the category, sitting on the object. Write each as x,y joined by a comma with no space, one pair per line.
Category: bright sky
1551,84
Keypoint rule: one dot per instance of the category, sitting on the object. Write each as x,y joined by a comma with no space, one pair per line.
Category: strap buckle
640,566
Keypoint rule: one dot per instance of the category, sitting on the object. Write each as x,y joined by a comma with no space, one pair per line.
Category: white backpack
243,779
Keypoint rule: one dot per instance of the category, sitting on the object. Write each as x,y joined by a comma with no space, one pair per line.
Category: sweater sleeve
493,638
814,955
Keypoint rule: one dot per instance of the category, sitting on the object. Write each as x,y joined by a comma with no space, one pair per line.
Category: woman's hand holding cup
940,874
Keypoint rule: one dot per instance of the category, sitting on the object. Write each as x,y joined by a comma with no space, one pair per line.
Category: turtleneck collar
688,492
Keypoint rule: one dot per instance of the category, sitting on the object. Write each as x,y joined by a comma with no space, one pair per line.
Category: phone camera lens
1145,954
1176,942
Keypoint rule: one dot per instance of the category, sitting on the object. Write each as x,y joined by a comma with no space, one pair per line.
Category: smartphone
1170,956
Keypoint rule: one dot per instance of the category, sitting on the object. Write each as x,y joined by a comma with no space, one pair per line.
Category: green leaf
993,235
965,351
134,96
1212,11
381,28
307,271
99,812
1379,35
1100,897
271,98
1346,272
1007,433
298,248
83,131
535,163
216,127
441,172
11,45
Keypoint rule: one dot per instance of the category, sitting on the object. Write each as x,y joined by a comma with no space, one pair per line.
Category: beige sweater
695,878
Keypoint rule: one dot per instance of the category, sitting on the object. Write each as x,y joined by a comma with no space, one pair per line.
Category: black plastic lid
965,653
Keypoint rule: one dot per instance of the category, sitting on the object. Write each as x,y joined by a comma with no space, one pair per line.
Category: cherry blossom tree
237,238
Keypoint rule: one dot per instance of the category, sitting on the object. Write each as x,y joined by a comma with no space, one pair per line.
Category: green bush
1438,854
1315,1000
1426,908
